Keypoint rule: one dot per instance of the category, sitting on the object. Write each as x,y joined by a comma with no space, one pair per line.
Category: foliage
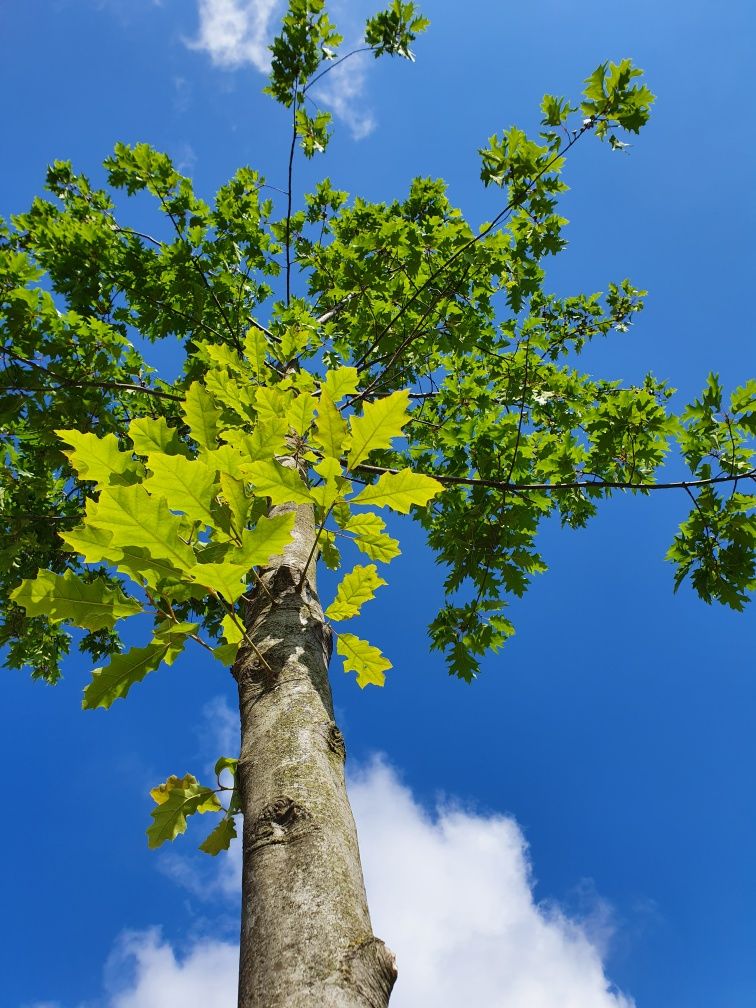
421,365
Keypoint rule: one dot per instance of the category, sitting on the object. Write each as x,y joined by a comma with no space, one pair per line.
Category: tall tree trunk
306,939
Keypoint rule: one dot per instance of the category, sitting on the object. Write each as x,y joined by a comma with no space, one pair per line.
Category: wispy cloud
452,894
236,33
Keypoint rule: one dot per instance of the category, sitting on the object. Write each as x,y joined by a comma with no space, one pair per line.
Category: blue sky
613,736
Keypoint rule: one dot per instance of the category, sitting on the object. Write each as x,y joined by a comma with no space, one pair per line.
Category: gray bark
306,938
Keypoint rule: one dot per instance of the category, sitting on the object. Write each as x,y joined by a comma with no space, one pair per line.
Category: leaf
331,434
161,793
169,818
364,659
340,382
235,496
68,597
399,491
268,438
381,421
269,538
201,415
300,413
187,485
227,579
329,550
137,519
256,347
378,546
225,459
116,679
220,838
356,588
150,435
99,458
283,485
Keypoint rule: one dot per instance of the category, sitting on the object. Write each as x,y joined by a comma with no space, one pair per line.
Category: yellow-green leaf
267,439
378,546
300,413
169,818
330,434
272,402
220,838
225,459
116,679
67,597
362,658
282,484
188,485
137,519
150,435
255,348
356,588
99,458
201,415
161,793
234,494
267,539
399,491
227,579
381,421
340,382
329,550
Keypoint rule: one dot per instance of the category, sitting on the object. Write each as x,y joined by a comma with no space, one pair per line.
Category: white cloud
144,972
342,90
236,33
452,895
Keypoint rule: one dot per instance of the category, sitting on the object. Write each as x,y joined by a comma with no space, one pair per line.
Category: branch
511,204
117,386
577,485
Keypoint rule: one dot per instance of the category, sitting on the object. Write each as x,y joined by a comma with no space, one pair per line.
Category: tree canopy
344,354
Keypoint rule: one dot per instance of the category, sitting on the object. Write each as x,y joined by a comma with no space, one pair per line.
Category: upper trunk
306,938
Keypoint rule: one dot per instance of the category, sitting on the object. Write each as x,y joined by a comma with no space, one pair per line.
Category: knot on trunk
369,971
335,740
282,821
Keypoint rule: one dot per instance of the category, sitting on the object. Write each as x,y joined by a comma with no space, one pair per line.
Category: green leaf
331,434
300,413
226,579
187,485
362,658
150,435
201,416
116,679
378,546
356,588
169,818
399,491
340,382
282,484
68,597
256,347
220,838
137,519
99,459
234,494
267,539
267,439
381,421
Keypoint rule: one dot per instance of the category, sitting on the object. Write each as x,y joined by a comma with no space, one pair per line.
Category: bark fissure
306,938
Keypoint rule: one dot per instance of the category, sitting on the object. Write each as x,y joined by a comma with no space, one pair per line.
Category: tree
397,381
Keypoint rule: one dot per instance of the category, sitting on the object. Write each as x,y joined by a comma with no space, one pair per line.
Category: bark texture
306,938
